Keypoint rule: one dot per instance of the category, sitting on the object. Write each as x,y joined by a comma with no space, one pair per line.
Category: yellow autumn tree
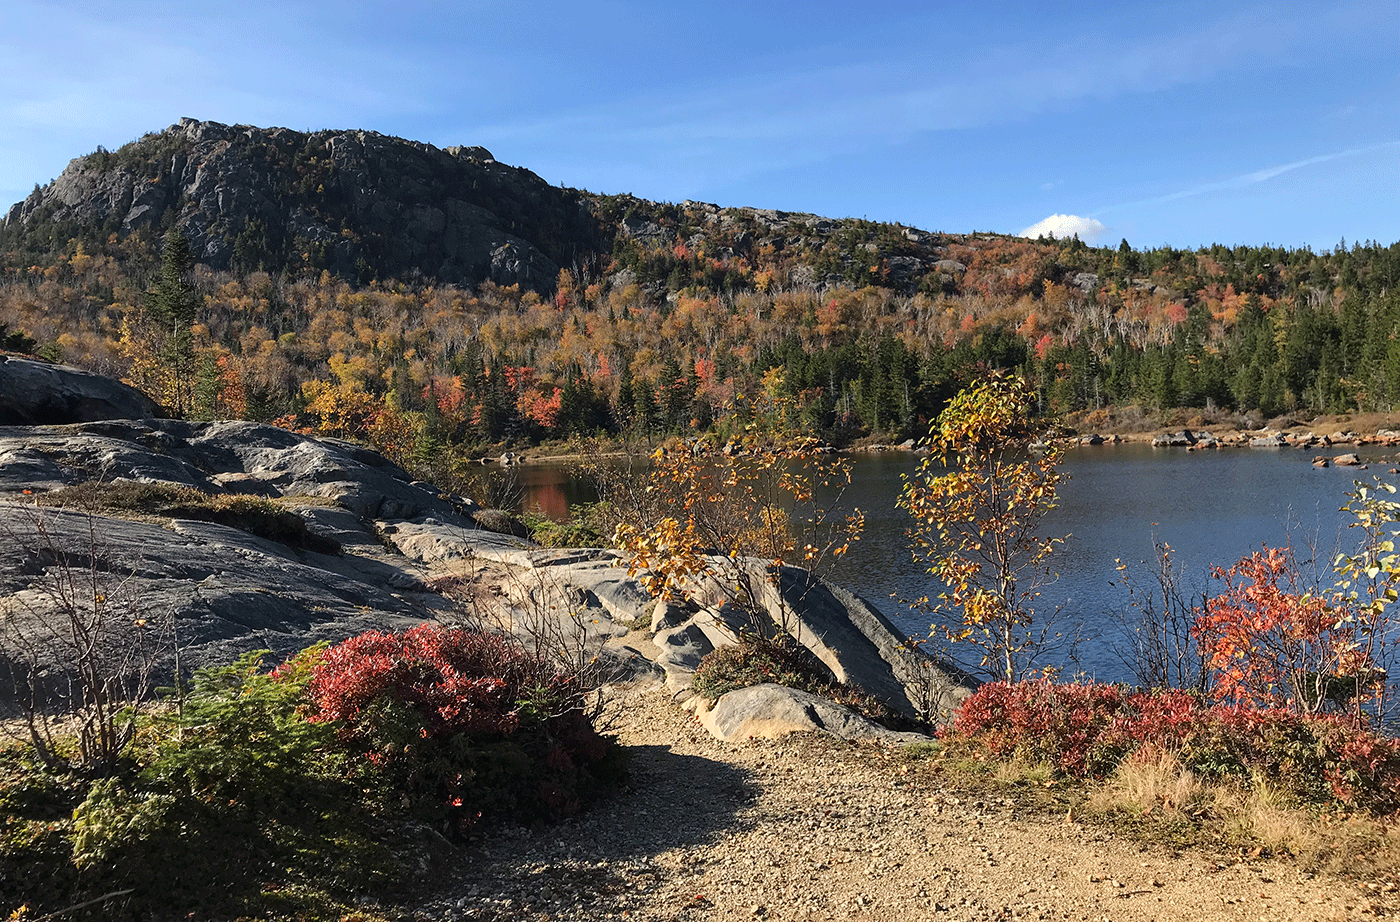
979,502
711,510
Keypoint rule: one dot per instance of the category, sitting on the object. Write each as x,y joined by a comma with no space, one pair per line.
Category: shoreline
1188,429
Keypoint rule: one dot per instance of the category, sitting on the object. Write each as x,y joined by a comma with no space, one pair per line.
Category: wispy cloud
755,123
1249,179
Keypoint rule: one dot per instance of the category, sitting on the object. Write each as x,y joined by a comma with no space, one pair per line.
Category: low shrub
1087,730
307,785
1064,725
226,789
588,525
549,533
464,725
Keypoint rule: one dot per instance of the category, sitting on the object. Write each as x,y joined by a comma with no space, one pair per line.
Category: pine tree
160,339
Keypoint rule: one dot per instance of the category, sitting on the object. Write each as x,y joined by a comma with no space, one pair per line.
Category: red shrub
1061,724
461,724
458,681
1088,729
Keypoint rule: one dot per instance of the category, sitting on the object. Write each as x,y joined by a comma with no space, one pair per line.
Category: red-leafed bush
463,724
1089,729
1043,721
1270,642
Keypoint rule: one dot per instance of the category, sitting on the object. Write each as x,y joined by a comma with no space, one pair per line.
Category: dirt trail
808,829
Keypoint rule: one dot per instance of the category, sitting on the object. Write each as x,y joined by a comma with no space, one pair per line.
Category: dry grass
1022,771
1153,798
1153,781
1168,803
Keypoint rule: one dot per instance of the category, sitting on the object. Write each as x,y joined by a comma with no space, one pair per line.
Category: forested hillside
430,300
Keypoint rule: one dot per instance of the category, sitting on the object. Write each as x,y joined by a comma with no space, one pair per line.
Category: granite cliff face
366,206
358,203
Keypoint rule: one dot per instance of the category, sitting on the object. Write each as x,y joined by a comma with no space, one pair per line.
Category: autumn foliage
1087,730
1270,643
710,512
978,503
464,724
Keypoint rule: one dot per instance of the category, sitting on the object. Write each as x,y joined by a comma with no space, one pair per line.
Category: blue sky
1177,123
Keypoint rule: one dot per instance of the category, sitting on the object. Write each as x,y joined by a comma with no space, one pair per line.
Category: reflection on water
550,488
1211,507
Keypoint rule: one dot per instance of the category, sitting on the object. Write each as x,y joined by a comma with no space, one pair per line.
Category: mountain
358,203
367,206
367,286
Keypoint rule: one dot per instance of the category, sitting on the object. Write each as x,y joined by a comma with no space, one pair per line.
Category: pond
1212,507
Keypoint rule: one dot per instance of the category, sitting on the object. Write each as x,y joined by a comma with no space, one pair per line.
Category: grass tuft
265,518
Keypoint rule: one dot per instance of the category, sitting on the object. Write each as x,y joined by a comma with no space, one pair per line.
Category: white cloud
1066,225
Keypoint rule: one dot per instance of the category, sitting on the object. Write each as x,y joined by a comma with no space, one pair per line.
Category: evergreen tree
159,339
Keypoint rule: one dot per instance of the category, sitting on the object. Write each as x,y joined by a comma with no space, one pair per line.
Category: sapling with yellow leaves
730,515
979,501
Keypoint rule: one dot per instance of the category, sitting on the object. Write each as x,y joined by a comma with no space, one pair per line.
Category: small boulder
771,711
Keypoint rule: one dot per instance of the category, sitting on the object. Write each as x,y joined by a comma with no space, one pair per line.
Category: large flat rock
216,592
34,393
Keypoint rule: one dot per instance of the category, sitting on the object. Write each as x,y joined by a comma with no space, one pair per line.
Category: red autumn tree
1270,642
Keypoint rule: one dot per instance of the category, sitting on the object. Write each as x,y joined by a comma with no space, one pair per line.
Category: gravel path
808,829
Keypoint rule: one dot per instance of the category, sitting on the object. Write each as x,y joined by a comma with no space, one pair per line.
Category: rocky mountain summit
355,202
373,549
366,206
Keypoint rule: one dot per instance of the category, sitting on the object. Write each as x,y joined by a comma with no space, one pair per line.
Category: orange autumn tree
1270,641
978,502
1264,633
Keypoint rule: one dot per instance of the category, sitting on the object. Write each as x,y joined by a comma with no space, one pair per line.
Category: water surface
1212,507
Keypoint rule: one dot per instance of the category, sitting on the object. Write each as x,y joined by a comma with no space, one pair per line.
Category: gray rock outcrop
406,553
34,393
1184,439
366,206
355,202
214,591
844,632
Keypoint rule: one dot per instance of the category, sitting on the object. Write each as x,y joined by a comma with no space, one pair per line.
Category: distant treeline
873,333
